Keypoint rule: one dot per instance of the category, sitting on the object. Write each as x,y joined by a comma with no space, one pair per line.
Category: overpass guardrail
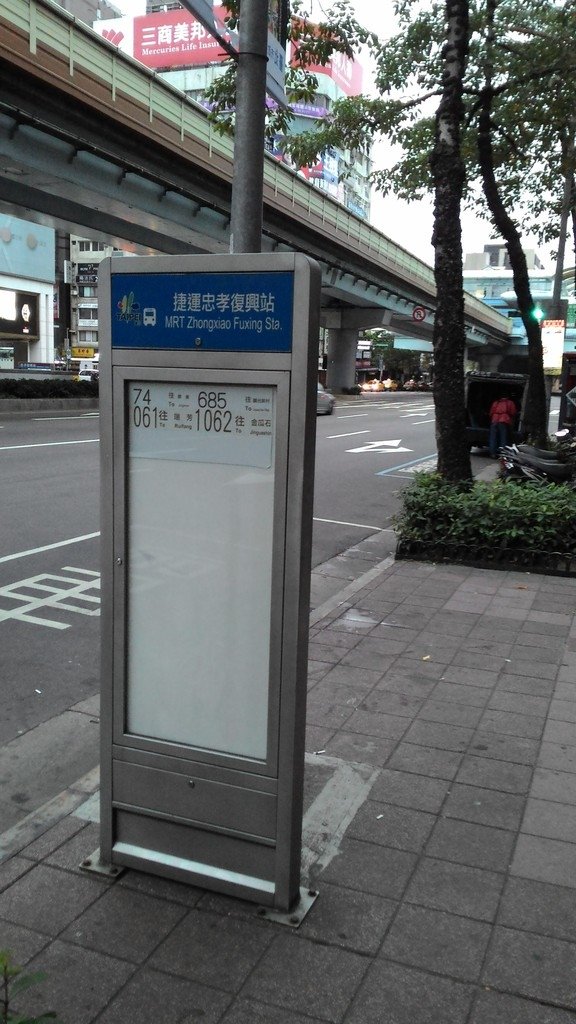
43,40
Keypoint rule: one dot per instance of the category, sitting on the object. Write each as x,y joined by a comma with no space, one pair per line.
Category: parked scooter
524,462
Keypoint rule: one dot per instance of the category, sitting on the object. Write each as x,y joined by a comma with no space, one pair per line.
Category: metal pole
247,184
565,211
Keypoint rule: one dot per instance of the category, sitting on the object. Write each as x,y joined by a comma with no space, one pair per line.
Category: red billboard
344,72
174,38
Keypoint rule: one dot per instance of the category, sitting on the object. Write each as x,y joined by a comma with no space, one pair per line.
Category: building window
86,338
87,291
85,245
88,314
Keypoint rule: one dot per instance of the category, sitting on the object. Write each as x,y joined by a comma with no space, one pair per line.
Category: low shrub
496,515
59,387
13,981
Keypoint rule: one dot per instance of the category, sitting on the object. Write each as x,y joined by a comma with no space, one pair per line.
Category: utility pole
247,184
567,201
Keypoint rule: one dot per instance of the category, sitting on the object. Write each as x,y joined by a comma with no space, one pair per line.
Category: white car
326,402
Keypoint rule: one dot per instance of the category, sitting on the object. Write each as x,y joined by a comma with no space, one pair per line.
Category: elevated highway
92,141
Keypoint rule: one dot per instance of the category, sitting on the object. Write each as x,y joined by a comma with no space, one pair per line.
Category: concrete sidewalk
442,711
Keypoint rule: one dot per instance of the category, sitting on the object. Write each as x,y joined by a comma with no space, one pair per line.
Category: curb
13,406
49,814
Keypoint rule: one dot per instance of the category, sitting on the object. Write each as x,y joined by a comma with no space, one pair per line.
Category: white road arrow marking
381,447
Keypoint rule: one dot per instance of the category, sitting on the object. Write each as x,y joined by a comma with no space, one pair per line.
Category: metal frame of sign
208,375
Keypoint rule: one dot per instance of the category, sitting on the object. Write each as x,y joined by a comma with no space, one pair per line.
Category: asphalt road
49,568
366,452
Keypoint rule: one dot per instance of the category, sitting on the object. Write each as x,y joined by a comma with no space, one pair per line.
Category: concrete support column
341,358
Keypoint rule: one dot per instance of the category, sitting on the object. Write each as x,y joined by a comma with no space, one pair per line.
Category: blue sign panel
223,312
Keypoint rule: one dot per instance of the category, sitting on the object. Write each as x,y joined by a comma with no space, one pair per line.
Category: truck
567,415
481,389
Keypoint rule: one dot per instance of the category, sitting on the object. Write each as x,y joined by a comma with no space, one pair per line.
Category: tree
516,118
316,43
448,174
505,100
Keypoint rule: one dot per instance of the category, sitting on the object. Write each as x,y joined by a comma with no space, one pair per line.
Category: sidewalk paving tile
374,724
371,868
494,1008
400,828
557,757
437,734
388,702
563,733
446,896
356,746
405,995
450,713
485,806
457,888
533,966
79,983
467,676
47,899
555,821
353,920
512,724
22,943
529,669
12,869
161,888
56,837
518,749
504,776
307,977
118,924
563,710
554,785
479,846
436,941
151,996
530,704
532,906
408,790
248,1011
214,950
522,683
548,860
430,761
460,692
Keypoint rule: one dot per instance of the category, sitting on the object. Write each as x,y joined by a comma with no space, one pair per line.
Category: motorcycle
524,462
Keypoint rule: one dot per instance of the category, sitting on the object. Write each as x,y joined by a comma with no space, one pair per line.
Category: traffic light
544,308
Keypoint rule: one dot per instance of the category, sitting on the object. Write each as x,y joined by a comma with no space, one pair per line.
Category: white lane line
330,437
360,526
49,547
353,416
46,444
50,419
422,422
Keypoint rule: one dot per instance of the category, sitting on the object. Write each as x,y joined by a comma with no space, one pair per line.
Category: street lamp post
247,185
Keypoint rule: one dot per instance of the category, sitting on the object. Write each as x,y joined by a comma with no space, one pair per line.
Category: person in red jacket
502,416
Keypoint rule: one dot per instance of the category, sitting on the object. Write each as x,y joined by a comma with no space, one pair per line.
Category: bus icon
149,317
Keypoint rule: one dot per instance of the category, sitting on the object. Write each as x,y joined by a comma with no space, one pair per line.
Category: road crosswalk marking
73,592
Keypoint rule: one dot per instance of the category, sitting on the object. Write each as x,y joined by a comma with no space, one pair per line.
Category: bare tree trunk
448,172
536,412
